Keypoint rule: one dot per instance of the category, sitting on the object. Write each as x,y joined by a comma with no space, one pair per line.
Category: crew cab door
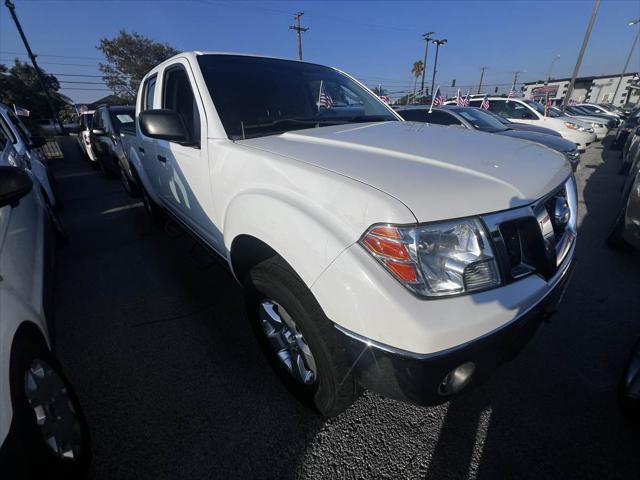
186,189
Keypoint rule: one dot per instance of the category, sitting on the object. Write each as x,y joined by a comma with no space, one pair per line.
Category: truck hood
437,172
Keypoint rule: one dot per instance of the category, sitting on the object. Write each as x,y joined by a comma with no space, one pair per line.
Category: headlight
436,259
572,126
597,125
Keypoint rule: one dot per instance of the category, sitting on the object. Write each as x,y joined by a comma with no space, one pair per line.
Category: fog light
456,379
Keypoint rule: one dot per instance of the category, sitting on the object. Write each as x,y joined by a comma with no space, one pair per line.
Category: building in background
596,89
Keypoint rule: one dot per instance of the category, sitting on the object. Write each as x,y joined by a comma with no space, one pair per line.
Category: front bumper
417,378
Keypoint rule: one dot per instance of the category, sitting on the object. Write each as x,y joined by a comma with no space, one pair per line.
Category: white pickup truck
405,258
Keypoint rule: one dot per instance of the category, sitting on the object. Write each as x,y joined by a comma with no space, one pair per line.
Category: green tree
416,71
19,85
130,56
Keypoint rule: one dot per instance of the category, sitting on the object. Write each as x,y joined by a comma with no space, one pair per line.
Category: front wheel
52,430
299,341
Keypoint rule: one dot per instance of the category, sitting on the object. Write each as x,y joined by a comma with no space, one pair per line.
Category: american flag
459,100
485,103
324,99
438,99
547,105
512,93
466,98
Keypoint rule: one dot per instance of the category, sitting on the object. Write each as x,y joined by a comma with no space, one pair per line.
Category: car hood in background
533,128
557,143
438,172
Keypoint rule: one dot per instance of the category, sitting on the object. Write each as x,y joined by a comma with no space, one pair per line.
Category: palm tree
416,71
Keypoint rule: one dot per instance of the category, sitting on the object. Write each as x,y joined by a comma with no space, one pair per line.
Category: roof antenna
242,126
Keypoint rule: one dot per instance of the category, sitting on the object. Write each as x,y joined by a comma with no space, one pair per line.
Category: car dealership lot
151,331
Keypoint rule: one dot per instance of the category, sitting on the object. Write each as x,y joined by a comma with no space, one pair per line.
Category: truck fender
307,238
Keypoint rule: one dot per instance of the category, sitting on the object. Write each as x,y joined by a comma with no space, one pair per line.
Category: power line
52,55
54,63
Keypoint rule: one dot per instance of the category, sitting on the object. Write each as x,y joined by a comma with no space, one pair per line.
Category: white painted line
124,207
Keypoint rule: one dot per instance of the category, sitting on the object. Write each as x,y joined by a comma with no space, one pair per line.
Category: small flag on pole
460,102
485,103
512,93
466,98
437,99
21,112
324,99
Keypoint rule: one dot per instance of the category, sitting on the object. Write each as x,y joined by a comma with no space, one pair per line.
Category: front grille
537,238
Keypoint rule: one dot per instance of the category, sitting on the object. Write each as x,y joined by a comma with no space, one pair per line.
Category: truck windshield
265,96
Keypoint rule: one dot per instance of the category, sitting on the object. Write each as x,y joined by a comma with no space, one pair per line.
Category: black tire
333,389
132,189
36,460
155,213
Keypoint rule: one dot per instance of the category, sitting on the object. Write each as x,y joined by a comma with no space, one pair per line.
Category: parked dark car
108,122
625,230
627,127
610,121
477,119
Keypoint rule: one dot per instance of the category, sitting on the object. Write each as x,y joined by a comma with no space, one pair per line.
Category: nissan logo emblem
562,212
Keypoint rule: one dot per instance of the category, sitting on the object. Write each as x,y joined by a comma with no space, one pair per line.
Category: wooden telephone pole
299,29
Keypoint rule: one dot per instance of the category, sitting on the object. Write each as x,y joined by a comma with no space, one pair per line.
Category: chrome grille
537,238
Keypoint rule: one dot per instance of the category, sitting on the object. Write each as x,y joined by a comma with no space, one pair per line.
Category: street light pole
624,70
427,39
585,42
437,43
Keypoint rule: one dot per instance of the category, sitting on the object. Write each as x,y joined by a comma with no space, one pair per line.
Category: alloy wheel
287,342
53,409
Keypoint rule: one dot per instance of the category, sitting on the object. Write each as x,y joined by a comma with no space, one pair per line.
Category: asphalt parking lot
154,338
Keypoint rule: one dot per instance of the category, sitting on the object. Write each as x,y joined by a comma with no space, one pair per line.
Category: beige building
597,89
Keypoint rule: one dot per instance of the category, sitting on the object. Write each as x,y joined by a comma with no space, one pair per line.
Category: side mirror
165,125
15,183
37,142
98,132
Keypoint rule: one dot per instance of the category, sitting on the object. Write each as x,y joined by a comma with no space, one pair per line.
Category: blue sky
376,41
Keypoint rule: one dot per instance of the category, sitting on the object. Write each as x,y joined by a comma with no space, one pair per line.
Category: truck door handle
141,150
162,159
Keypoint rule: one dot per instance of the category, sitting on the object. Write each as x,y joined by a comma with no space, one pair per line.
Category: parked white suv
530,112
406,258
43,433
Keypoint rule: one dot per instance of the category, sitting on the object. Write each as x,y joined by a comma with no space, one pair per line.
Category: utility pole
624,70
54,112
585,42
481,78
427,39
299,30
